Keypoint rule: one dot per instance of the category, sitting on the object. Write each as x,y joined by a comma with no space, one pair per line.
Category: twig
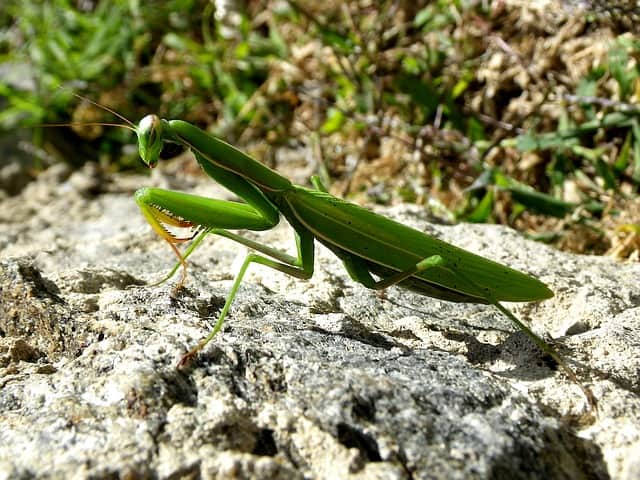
603,102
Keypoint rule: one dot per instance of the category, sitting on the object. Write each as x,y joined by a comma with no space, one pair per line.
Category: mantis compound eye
150,139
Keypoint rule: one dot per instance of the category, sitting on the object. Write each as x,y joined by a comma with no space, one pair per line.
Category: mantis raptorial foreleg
182,259
289,264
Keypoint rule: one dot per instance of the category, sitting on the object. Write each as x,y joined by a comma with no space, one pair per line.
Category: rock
316,379
13,178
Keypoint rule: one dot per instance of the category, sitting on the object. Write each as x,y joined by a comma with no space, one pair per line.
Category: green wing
392,245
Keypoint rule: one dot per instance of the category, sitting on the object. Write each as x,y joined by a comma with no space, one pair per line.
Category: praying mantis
376,251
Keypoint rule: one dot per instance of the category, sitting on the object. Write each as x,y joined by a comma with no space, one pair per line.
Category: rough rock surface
316,379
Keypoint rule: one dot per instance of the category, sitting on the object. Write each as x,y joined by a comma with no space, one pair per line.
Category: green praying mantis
376,251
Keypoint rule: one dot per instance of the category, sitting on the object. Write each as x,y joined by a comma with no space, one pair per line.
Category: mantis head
150,136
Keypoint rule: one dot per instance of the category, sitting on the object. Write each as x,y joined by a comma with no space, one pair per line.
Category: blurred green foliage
133,57
347,78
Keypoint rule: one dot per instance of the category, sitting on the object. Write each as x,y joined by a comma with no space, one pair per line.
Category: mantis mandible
376,251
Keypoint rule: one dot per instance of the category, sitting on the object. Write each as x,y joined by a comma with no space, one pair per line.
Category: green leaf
527,142
421,93
277,42
475,130
622,68
613,119
483,210
484,180
636,152
587,87
606,173
540,202
412,65
596,207
333,123
180,43
591,154
623,157
341,43
423,16
461,86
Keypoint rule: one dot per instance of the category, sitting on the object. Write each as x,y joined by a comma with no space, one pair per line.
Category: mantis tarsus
376,251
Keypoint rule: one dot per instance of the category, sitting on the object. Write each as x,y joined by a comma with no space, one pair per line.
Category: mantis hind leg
359,271
538,340
182,259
